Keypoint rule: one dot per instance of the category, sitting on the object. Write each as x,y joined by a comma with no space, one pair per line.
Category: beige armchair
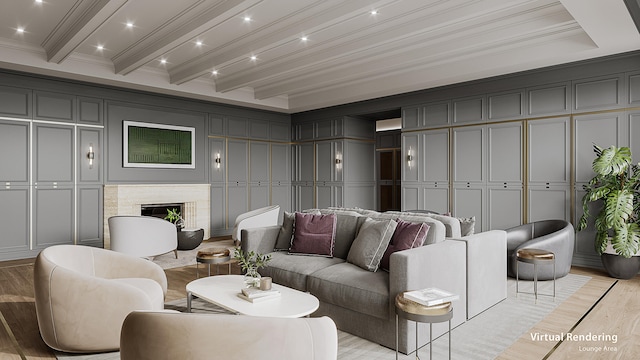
168,335
143,236
266,216
83,295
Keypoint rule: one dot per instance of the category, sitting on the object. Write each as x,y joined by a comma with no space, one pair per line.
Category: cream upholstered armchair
266,216
167,335
83,295
142,236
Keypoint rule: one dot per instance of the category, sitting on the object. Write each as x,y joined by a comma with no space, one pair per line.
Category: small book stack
255,295
430,296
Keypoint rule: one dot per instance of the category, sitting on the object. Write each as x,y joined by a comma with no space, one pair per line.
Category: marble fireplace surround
127,199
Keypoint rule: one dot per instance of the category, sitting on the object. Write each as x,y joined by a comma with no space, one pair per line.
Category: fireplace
130,199
160,210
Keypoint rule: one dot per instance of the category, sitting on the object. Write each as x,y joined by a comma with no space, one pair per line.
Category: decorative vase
252,277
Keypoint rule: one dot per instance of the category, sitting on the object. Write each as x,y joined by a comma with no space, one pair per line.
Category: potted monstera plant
617,225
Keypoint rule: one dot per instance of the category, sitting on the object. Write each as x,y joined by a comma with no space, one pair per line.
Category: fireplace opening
160,210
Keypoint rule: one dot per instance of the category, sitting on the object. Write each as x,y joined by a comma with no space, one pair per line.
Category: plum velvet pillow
313,234
407,235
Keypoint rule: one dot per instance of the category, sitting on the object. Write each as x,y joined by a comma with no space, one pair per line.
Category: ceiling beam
84,18
187,25
283,31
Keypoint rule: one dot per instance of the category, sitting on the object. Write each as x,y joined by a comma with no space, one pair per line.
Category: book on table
258,299
254,292
430,296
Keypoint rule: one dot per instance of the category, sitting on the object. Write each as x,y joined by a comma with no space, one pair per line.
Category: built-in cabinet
51,191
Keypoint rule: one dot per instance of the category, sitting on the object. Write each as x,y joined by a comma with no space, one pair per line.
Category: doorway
389,184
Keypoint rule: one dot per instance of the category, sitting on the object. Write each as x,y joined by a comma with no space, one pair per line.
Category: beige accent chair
142,236
83,295
266,216
168,335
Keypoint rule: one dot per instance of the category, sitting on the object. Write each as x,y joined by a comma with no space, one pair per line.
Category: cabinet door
14,152
434,161
280,131
584,249
90,111
410,196
280,163
237,126
304,197
258,195
238,201
53,154
549,151
549,202
469,110
504,206
504,153
14,219
469,201
634,134
468,154
237,160
258,129
90,221
412,117
435,197
15,102
53,216
259,162
218,210
281,195
329,195
54,106
326,155
599,129
437,114
304,159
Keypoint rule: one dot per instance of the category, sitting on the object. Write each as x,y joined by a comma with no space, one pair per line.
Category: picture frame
149,145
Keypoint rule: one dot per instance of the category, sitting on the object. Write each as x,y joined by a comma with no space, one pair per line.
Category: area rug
483,337
188,257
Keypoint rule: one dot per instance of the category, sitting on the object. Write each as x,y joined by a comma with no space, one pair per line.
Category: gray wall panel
506,106
549,202
468,154
15,102
504,152
216,125
359,161
549,150
549,99
435,198
434,161
259,161
634,89
237,126
90,216
280,162
505,207
599,129
54,106
53,217
598,93
14,152
53,153
280,131
634,135
259,129
14,219
438,114
90,111
470,110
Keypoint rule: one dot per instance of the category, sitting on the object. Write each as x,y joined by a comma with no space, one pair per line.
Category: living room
509,147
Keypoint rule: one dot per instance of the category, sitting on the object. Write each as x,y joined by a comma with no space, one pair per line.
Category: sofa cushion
408,235
292,270
467,226
451,224
313,234
353,288
283,243
371,242
437,230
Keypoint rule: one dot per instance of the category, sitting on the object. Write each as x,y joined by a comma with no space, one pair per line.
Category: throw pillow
283,243
467,225
313,234
407,235
371,242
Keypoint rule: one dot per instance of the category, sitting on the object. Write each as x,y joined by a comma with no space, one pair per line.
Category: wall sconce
91,155
338,161
410,158
218,161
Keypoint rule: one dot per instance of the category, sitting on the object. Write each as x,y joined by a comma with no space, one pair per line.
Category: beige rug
483,337
188,257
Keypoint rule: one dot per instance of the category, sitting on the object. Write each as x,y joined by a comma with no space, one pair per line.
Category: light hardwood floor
589,310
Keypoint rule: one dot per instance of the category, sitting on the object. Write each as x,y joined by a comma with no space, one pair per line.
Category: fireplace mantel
126,199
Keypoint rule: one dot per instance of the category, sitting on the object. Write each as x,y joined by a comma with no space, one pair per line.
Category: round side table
536,257
217,256
411,310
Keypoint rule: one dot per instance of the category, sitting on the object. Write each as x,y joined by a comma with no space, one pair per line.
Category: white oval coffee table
222,290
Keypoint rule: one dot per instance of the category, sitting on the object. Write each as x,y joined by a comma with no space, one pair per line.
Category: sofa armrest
486,269
441,265
261,240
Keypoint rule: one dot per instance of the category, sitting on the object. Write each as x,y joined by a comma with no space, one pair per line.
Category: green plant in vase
173,216
616,184
250,262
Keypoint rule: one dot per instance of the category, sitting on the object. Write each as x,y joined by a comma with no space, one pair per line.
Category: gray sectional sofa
361,302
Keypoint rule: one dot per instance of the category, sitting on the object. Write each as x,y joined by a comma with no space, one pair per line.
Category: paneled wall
514,148
334,163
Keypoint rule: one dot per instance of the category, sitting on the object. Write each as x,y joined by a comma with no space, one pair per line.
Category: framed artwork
147,145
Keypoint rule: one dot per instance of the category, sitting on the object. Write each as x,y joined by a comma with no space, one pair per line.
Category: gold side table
217,256
536,257
411,310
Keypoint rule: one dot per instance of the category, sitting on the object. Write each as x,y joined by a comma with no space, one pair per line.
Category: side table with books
429,305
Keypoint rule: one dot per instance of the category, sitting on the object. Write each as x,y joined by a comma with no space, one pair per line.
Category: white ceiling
349,55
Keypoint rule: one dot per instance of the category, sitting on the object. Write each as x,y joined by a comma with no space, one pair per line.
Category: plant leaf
618,208
626,240
612,161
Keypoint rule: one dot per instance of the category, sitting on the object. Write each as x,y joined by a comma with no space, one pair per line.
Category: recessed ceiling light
304,38
20,30
100,47
254,58
163,61
129,24
374,12
38,1
214,72
247,18
199,43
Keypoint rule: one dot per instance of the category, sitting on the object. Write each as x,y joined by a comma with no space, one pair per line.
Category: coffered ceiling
297,55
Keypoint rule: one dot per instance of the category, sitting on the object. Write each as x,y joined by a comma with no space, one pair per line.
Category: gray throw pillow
371,242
